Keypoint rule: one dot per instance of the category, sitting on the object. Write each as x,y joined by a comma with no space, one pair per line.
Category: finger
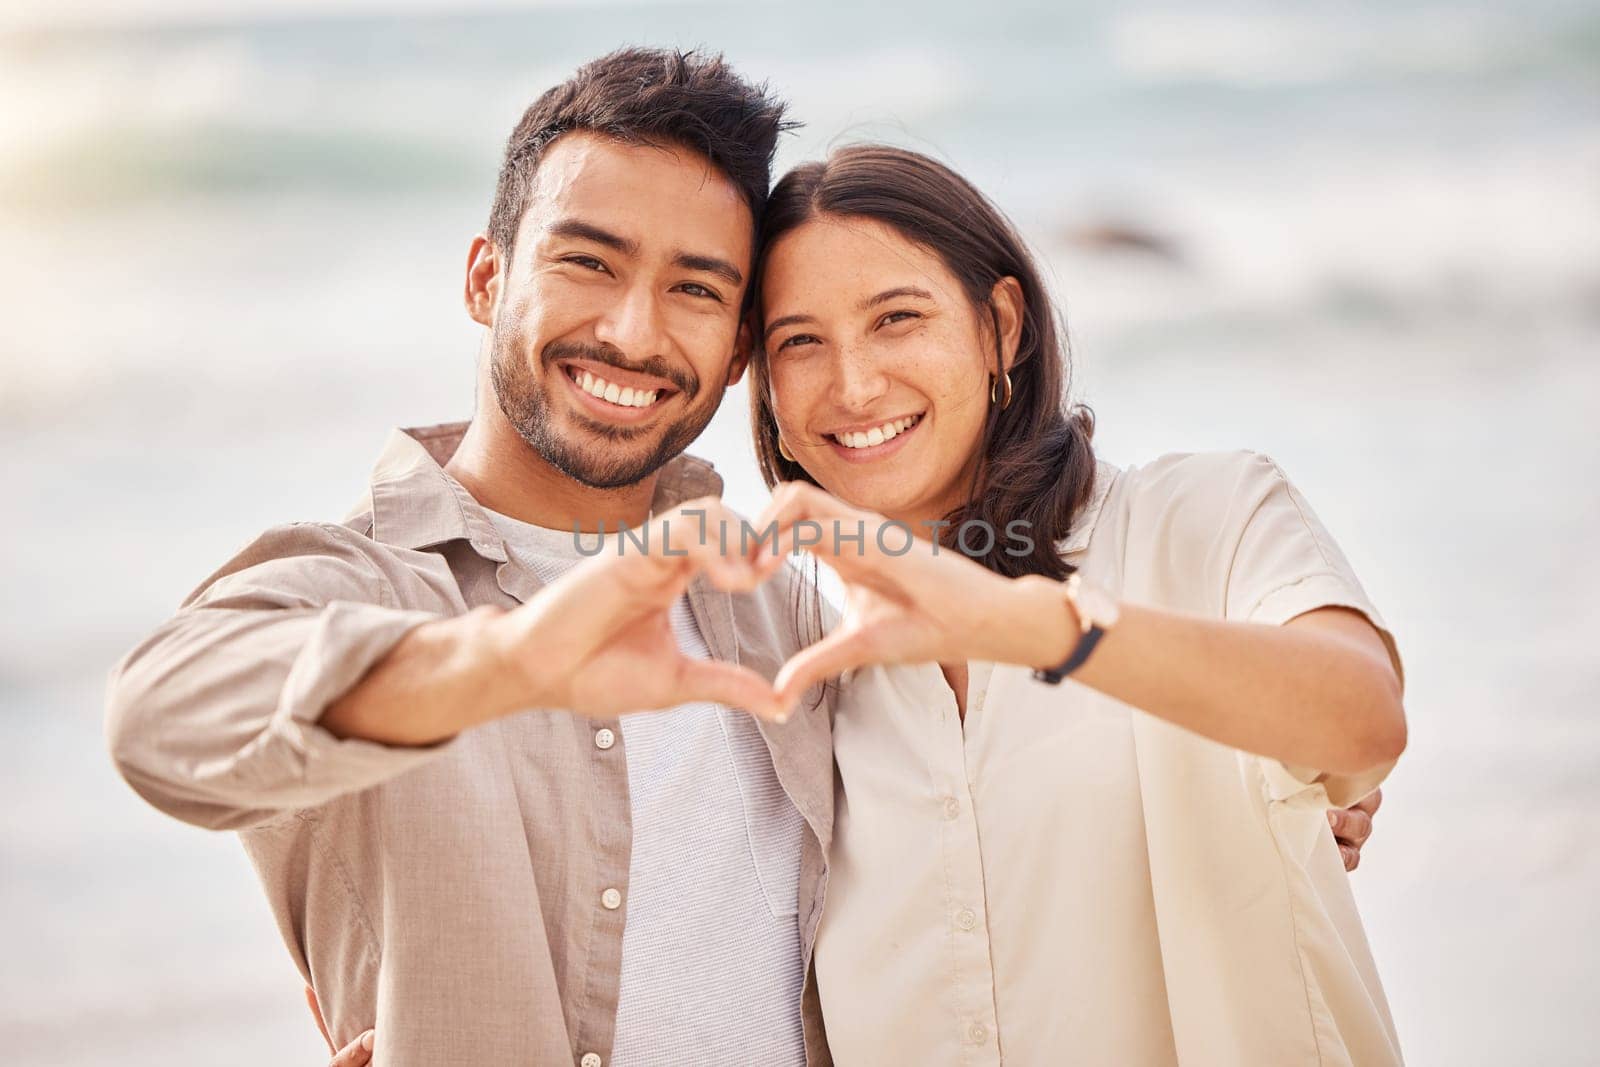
712,538
1351,826
357,1053
316,1013
1351,857
726,683
1370,804
795,501
834,654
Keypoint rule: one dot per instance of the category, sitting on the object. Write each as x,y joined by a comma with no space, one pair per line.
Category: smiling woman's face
879,366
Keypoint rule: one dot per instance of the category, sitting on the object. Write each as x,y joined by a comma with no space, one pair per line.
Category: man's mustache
687,384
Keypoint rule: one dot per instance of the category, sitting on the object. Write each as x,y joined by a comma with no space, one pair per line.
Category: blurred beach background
1364,238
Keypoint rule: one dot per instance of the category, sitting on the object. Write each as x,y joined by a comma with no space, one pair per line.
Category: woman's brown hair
1038,464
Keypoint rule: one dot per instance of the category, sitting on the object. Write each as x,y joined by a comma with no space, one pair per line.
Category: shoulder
1198,473
303,564
1185,513
1209,488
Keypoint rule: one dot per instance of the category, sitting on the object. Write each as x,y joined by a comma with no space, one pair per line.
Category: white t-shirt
711,958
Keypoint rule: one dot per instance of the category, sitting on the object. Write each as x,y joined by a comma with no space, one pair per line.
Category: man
583,882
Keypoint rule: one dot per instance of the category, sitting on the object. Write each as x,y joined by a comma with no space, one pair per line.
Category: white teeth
627,397
878,434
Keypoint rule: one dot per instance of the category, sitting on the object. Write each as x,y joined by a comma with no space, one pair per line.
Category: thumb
727,683
834,654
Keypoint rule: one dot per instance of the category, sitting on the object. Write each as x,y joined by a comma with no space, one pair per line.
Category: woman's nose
858,381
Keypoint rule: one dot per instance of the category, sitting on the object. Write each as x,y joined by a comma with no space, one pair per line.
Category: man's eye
695,289
586,262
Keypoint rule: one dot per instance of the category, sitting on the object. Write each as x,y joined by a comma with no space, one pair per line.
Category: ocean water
232,256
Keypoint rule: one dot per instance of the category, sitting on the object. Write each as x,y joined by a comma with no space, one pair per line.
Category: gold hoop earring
783,450
994,397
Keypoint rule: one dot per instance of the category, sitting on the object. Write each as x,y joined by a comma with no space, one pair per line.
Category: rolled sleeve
214,718
1285,565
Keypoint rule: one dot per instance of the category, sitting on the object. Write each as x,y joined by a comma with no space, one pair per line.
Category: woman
1032,870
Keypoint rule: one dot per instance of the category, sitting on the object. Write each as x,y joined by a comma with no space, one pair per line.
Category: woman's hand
906,600
1352,827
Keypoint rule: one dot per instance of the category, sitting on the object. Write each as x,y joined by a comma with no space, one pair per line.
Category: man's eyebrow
711,265
588,231
787,320
894,294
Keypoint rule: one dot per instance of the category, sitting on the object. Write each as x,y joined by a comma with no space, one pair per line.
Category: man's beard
526,405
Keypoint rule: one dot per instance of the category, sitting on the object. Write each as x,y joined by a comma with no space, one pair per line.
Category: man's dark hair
648,96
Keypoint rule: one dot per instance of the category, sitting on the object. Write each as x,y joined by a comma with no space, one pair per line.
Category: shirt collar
1083,523
416,504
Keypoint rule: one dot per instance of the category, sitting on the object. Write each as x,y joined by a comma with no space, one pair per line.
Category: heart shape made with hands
906,601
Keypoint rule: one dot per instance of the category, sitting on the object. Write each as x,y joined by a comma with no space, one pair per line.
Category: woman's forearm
1318,691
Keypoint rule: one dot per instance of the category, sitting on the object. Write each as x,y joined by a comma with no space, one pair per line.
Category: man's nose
633,325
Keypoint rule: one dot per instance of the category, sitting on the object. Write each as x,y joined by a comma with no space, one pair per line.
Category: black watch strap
1080,653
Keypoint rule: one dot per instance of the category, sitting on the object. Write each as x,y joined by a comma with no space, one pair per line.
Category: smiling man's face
616,320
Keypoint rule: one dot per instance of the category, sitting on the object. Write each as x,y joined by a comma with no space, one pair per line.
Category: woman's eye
897,316
797,339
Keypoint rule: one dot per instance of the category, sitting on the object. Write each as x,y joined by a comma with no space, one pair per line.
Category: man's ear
741,353
1009,309
483,280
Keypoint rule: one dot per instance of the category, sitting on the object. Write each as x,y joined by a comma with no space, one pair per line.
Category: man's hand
357,1053
1352,826
597,642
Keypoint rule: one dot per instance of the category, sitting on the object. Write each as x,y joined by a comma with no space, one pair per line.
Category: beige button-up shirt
468,899
1066,880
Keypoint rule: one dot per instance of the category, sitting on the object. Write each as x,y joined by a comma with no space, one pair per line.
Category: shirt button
977,1033
966,918
952,807
604,739
612,900
590,1059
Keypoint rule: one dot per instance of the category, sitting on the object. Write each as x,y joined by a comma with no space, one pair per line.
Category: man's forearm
214,717
438,680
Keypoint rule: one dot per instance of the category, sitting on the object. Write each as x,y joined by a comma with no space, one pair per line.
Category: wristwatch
1095,612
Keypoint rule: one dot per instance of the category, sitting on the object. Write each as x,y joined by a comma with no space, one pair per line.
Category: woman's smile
873,441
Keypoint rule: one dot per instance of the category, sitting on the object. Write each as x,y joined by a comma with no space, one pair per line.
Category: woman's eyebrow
871,302
787,320
893,294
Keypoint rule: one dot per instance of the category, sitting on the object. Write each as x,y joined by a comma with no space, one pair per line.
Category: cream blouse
1066,880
